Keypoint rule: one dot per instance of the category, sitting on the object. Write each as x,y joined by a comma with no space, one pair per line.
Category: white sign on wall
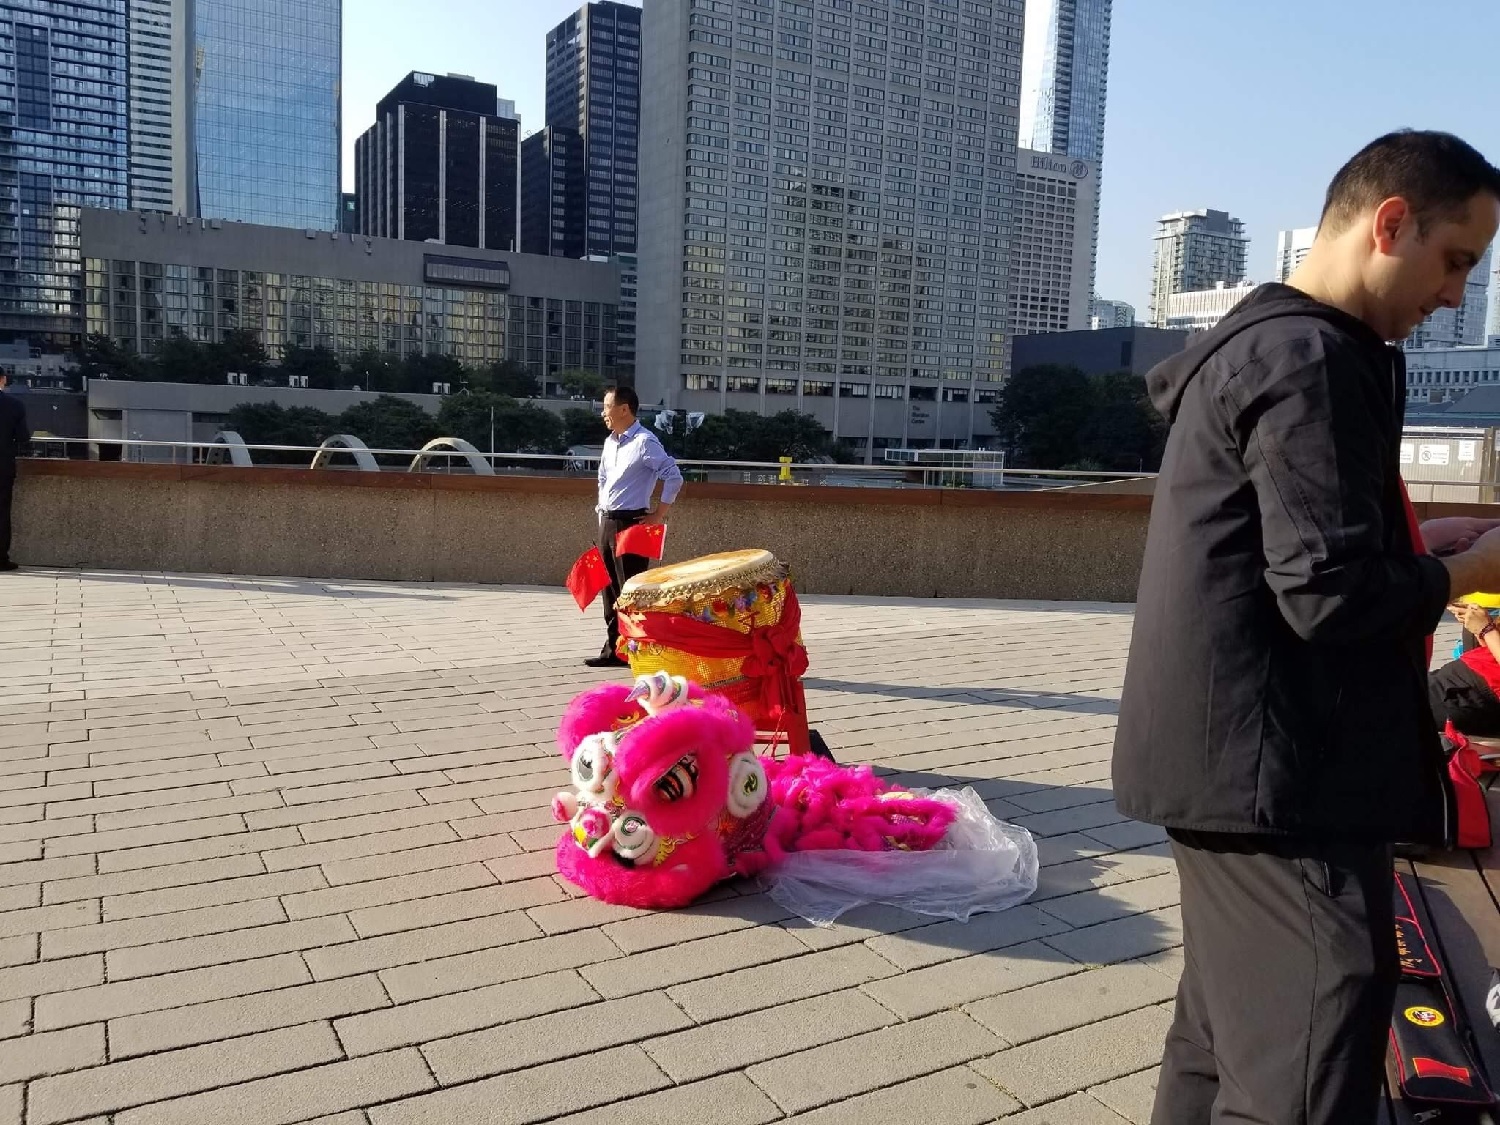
1467,450
1408,454
1432,454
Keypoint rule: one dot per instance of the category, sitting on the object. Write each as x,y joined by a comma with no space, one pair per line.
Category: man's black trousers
1290,974
7,488
621,568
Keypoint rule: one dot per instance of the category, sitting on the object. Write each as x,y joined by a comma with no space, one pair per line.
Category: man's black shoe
8,566
602,661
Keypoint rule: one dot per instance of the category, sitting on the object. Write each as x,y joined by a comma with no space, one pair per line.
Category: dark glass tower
439,164
594,89
552,193
63,144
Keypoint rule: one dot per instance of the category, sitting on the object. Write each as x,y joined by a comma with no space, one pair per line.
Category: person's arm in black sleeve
1314,447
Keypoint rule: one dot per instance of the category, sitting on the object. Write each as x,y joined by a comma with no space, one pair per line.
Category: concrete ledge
1074,546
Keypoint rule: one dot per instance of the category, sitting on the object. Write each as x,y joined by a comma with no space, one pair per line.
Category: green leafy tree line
1055,417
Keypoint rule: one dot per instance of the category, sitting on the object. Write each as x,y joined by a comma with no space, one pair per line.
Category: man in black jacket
1274,717
14,434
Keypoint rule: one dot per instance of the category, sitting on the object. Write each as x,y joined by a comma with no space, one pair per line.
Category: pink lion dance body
669,797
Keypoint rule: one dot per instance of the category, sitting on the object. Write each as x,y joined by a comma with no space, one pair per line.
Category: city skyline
1263,155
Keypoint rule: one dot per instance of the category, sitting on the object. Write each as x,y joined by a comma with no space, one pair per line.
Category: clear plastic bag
983,864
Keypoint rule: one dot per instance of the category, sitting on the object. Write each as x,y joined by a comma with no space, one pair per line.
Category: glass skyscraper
594,89
63,136
267,126
1065,76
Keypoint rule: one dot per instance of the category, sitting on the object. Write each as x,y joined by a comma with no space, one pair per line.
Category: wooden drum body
729,622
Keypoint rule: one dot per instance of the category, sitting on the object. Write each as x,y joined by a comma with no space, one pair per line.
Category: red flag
588,578
643,539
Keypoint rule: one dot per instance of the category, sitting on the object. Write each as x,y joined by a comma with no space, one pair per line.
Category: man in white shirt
632,462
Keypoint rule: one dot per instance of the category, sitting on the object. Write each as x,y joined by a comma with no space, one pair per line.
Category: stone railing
969,543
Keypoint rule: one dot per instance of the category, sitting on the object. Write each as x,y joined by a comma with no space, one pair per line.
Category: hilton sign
1075,168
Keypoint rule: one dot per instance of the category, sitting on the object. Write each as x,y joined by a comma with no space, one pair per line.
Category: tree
374,370
738,435
389,423
240,351
101,357
1039,414
180,360
583,384
1124,431
268,423
582,427
320,366
789,434
518,427
419,373
507,377
1051,417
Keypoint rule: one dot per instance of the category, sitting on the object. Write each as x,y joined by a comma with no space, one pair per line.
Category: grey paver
954,1097
1060,1064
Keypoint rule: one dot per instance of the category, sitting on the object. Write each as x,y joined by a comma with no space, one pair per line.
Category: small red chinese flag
643,539
588,578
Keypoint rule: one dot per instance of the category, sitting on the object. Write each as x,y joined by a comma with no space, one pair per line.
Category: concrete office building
1437,374
594,90
152,276
826,213
64,88
440,165
1195,250
1202,309
1101,351
1291,247
1064,88
1111,314
1053,245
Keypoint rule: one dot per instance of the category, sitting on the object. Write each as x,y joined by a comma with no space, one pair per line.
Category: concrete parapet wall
433,527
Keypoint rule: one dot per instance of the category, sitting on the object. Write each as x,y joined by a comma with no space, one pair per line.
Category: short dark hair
625,396
1436,173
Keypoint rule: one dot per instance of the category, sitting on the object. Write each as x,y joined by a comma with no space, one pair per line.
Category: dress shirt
629,468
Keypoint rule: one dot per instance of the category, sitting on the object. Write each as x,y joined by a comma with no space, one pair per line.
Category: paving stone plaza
280,850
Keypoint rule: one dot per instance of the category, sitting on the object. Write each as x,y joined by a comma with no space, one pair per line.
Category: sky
1243,107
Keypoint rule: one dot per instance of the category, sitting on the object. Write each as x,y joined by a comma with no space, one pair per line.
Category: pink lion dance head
669,797
667,792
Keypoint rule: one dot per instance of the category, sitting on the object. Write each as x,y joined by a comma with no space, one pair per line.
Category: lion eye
747,784
593,765
633,836
680,782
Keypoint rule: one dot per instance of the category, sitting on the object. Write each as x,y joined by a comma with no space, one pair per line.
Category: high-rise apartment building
594,90
1198,310
64,139
1053,245
1464,326
161,99
553,188
1196,250
1110,314
266,111
1064,87
1291,248
439,164
826,211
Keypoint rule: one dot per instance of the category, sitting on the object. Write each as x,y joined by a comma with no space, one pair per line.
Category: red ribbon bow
773,660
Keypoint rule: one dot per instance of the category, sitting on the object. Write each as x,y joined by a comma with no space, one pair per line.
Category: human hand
1476,570
1454,534
1472,617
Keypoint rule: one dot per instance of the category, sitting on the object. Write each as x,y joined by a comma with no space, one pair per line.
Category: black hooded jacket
1277,674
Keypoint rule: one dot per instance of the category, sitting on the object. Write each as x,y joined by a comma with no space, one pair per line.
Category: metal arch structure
477,461
230,442
364,460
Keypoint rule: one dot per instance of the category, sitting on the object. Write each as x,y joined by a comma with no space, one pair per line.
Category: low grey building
153,276
1099,352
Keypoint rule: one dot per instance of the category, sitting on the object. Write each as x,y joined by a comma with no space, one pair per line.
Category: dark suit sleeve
1318,457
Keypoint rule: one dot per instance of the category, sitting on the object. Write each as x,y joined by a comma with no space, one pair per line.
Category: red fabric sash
774,661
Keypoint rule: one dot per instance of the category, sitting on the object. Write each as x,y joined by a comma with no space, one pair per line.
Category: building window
889,390
700,382
781,386
744,384
817,388
854,390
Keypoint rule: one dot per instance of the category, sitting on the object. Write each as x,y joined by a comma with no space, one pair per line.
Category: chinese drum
730,622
